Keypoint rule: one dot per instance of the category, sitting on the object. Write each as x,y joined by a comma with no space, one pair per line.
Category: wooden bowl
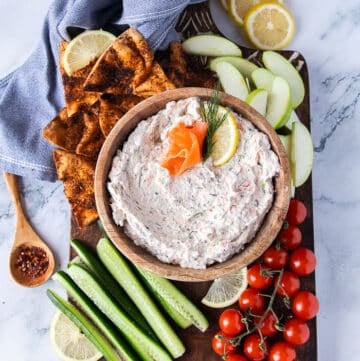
267,231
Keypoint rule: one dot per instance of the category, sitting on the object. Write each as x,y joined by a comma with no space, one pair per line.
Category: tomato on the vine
221,345
282,351
305,305
230,322
296,332
302,261
290,237
297,212
254,348
258,277
289,285
276,258
268,326
235,357
252,300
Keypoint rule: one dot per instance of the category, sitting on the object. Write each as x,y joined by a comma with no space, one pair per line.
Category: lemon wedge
269,25
226,139
86,47
225,291
239,8
69,343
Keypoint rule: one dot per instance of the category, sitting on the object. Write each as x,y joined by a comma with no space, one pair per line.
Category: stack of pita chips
96,97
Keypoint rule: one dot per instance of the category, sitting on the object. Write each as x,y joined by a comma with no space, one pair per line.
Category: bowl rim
267,231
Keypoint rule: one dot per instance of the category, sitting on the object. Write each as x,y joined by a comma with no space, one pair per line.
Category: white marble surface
328,34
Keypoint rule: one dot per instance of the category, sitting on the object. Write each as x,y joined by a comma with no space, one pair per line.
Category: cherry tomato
302,261
296,332
230,322
305,305
257,277
282,351
290,237
221,345
290,284
235,357
267,327
252,300
297,212
276,258
253,349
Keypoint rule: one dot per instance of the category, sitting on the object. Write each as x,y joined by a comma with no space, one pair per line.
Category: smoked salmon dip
205,215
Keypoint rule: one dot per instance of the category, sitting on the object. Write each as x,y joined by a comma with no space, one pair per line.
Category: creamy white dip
206,214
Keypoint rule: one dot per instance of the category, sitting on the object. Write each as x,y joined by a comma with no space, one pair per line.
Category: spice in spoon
32,261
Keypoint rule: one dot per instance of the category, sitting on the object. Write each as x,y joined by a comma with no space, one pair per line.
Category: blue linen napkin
33,94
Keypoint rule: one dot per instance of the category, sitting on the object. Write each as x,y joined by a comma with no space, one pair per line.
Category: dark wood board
198,345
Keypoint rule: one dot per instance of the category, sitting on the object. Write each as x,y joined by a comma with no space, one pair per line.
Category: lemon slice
68,341
86,47
225,291
269,25
239,8
224,4
225,139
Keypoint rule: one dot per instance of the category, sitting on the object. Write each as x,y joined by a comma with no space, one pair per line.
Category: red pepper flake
32,261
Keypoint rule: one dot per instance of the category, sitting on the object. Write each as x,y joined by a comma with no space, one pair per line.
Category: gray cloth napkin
32,95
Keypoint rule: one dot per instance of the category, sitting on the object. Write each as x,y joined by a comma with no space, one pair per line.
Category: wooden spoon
24,241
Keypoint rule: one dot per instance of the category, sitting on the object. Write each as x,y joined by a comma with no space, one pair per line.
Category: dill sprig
210,114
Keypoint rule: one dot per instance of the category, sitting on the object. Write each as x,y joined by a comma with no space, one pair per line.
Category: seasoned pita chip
155,83
186,71
77,173
75,96
113,107
79,133
123,66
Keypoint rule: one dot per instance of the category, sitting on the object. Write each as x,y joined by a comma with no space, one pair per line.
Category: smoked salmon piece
185,149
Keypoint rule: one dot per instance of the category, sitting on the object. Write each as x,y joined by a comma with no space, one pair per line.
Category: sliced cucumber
142,343
244,66
86,327
94,264
120,270
211,45
98,318
231,80
263,79
258,100
175,299
280,66
279,104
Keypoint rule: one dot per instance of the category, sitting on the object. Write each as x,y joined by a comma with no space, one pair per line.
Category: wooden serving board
197,19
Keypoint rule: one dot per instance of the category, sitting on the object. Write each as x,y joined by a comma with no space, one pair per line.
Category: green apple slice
286,141
279,103
244,66
231,80
280,66
263,79
258,100
211,45
302,153
293,118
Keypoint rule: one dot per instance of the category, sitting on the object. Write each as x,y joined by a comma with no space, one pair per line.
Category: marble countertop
328,35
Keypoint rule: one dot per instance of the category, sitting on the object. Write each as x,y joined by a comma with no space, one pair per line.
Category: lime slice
69,343
269,25
226,139
225,291
86,47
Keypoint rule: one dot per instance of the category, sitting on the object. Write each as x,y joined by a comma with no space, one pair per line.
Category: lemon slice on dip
239,8
86,47
269,25
225,291
226,139
69,343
